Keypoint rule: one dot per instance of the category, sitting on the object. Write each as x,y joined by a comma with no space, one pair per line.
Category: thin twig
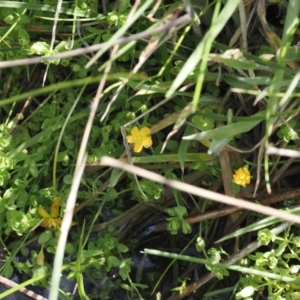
201,192
25,291
180,22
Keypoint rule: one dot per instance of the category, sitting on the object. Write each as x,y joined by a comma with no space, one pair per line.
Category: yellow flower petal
236,179
135,131
145,131
242,177
45,223
54,223
131,139
51,220
140,138
58,224
55,207
43,213
138,146
147,142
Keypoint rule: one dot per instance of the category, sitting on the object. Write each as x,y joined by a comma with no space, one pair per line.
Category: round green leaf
68,179
25,251
45,237
51,250
8,271
122,248
70,248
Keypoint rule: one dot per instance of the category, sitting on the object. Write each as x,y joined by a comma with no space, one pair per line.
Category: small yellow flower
52,219
140,138
242,177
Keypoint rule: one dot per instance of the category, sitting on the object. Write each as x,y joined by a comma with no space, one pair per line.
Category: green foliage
281,260
200,244
265,236
43,49
181,288
245,293
176,221
288,132
203,123
45,120
104,254
152,190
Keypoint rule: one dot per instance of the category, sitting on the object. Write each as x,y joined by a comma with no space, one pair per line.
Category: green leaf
5,11
51,250
70,249
281,248
11,19
63,46
200,244
186,227
45,237
23,37
25,251
22,198
182,117
242,64
8,271
260,80
290,53
91,253
40,48
227,131
106,37
123,273
4,176
113,260
123,6
126,286
235,188
179,122
122,248
115,176
33,169
63,157
296,241
245,292
5,140
172,145
238,82
184,146
141,286
217,145
68,179
265,236
190,157
180,211
173,225
214,255
112,193
203,123
68,142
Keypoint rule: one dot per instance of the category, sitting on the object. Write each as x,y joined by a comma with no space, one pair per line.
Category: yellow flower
52,219
140,138
242,177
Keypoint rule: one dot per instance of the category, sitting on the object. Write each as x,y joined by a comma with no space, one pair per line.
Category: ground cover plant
149,149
